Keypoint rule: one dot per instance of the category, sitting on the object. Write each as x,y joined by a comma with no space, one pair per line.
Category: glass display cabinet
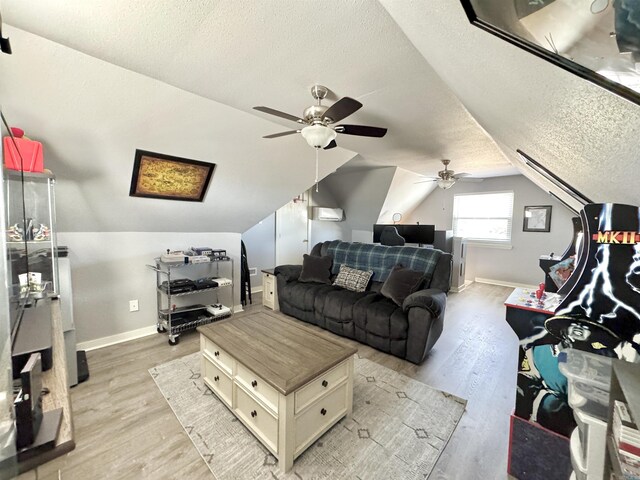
30,233
28,266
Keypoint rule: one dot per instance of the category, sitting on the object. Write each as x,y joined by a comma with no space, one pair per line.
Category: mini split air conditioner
328,214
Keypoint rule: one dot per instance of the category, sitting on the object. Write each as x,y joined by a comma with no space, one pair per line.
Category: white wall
260,242
519,264
108,269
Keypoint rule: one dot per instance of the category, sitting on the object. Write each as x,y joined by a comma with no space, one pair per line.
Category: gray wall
519,264
260,242
321,230
108,269
361,193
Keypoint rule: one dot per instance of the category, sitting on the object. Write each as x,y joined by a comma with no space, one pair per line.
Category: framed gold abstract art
156,175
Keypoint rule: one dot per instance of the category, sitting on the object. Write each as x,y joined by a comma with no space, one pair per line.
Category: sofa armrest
288,272
431,299
425,314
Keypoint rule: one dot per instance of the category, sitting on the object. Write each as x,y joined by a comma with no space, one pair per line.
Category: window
485,217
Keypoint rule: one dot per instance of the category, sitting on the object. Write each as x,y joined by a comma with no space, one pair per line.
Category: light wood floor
125,429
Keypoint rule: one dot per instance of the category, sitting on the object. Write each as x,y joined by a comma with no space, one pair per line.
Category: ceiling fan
446,178
318,121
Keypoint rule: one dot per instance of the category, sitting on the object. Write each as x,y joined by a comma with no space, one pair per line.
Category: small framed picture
537,218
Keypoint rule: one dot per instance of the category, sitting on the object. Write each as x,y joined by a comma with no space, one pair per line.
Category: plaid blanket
381,259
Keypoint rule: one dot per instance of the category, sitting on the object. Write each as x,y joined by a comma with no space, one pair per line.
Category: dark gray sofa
408,332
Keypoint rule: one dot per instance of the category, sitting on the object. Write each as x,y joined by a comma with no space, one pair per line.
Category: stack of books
626,437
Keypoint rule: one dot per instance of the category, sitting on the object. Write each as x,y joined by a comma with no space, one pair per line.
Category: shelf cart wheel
174,340
161,329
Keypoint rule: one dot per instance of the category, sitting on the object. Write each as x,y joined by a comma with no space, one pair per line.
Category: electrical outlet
133,305
253,272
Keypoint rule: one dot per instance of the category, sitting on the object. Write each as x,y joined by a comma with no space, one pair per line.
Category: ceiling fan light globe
445,183
318,136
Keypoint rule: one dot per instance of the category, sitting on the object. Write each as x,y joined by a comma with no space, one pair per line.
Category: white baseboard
127,336
257,289
118,338
502,283
462,287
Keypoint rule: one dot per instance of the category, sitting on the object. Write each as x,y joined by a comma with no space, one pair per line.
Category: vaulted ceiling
96,81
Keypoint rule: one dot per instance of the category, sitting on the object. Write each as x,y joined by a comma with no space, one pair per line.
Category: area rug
398,429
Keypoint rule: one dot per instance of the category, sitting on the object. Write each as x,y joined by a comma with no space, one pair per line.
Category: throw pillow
352,279
316,269
401,283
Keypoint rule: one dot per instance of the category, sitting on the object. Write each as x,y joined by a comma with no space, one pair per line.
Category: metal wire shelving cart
174,319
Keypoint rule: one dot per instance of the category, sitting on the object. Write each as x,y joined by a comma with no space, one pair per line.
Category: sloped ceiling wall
93,115
585,134
410,63
406,192
243,53
361,193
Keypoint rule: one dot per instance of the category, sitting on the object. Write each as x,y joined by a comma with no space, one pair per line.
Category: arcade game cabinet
596,310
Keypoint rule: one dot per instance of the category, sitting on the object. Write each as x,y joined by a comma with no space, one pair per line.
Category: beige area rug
398,429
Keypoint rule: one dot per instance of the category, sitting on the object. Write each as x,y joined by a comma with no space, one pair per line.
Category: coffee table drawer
258,387
319,416
321,385
222,358
257,418
219,381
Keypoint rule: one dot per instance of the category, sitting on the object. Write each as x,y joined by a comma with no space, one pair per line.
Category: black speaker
28,403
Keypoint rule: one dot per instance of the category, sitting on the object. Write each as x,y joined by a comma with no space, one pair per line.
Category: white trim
257,289
126,336
115,339
484,244
503,283
462,287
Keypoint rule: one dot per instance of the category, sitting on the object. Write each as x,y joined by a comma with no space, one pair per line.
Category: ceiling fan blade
361,130
342,109
281,134
426,181
278,113
470,180
332,144
460,175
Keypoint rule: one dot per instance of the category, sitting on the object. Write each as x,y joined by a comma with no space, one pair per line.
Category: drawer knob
254,414
254,384
323,411
216,354
325,383
216,378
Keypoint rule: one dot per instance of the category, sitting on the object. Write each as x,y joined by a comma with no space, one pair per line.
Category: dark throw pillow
401,283
352,279
316,269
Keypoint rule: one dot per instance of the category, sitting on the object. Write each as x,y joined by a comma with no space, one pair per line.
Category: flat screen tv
421,234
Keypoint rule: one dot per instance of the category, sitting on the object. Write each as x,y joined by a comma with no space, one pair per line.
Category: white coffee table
287,383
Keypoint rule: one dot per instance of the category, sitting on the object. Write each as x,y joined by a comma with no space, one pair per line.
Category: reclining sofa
408,331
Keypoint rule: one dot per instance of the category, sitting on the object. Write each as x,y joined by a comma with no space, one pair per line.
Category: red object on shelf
30,151
541,286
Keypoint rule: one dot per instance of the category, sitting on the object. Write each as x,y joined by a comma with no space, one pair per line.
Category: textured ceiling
247,53
94,81
583,133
